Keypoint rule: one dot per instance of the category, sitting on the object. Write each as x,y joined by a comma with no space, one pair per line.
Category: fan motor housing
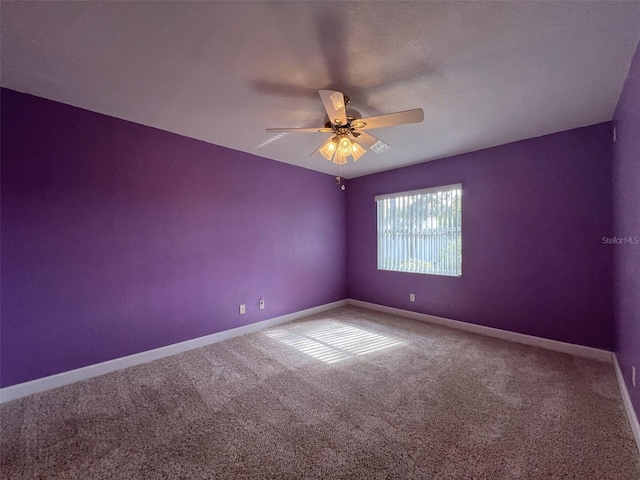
352,114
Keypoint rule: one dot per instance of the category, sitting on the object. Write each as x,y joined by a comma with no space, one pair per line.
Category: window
421,231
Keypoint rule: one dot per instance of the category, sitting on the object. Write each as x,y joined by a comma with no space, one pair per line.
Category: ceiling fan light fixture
345,127
328,148
340,158
357,151
345,146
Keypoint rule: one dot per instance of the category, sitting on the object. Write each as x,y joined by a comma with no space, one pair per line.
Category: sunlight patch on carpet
333,342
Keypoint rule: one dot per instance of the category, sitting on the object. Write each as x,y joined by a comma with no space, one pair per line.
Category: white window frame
426,242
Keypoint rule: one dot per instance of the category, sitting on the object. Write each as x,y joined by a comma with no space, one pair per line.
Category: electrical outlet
261,303
633,376
412,297
243,309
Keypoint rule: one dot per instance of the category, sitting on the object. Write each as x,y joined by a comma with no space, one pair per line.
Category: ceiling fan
347,128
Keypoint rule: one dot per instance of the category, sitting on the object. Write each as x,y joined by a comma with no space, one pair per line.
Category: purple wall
118,238
534,214
626,214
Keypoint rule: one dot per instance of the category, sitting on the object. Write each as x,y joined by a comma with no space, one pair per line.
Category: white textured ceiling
485,73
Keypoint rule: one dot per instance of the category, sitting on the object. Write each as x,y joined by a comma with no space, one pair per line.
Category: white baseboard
72,376
570,348
626,400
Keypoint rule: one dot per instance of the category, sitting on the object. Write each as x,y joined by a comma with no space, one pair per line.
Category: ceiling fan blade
390,119
301,130
334,105
372,143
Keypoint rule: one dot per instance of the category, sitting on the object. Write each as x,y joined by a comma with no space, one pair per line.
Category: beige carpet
350,393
